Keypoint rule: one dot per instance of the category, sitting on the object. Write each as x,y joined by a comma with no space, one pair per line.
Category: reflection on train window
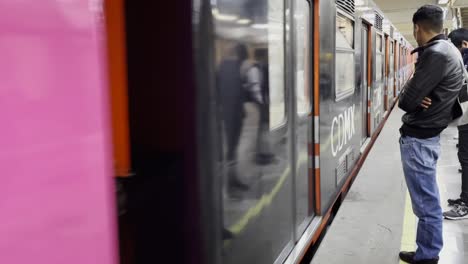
276,64
344,32
344,62
391,58
378,67
249,55
302,31
344,74
379,43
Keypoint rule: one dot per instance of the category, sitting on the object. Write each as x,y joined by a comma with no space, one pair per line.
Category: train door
397,69
364,84
378,66
391,71
402,67
387,87
264,125
303,125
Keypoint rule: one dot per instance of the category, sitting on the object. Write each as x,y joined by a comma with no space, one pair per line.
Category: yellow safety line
408,236
265,201
254,211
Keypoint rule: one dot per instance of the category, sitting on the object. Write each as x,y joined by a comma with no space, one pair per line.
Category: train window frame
343,94
308,69
281,126
379,53
391,56
379,44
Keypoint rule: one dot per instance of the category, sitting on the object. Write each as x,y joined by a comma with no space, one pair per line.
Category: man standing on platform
459,38
437,80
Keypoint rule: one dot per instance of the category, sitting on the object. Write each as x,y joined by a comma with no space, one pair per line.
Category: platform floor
375,220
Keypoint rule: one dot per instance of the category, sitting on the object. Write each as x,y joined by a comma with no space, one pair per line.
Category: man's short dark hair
458,36
429,17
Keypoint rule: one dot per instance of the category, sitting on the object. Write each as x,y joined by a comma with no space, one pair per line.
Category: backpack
249,93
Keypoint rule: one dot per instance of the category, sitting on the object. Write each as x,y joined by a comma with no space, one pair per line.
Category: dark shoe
458,212
237,184
454,202
233,180
408,257
265,159
227,235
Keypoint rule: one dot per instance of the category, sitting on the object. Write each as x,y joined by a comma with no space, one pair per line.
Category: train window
378,66
302,31
250,83
344,32
379,58
391,58
254,42
344,74
344,60
379,43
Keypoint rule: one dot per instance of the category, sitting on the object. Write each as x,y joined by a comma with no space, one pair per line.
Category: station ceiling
400,13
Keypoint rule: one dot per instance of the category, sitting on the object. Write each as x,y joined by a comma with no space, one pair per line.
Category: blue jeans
419,159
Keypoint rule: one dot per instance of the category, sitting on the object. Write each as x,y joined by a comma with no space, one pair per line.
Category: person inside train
459,38
231,93
256,84
438,76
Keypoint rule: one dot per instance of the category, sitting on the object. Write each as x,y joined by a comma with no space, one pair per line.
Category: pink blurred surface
56,195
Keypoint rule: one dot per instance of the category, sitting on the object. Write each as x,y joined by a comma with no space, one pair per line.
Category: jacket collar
431,42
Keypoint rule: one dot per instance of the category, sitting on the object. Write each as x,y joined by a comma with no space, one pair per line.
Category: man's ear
464,44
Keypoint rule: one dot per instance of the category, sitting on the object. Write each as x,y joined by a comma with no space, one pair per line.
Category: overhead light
224,17
260,26
243,21
442,2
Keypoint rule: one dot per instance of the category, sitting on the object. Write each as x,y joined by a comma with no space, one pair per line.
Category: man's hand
426,103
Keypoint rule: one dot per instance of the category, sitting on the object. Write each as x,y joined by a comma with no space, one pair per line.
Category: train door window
364,73
302,56
379,43
256,144
391,59
344,64
379,59
302,76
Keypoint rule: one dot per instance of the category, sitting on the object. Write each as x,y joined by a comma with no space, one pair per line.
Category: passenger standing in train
256,84
459,38
232,96
438,76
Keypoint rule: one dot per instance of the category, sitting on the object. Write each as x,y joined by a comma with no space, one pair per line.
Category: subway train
332,71
204,131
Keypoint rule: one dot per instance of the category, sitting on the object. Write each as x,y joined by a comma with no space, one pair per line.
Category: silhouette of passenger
232,97
256,83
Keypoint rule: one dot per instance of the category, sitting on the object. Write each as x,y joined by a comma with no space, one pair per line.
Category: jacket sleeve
429,72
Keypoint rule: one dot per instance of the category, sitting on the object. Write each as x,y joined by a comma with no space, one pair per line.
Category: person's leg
419,159
264,153
233,134
460,206
463,158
